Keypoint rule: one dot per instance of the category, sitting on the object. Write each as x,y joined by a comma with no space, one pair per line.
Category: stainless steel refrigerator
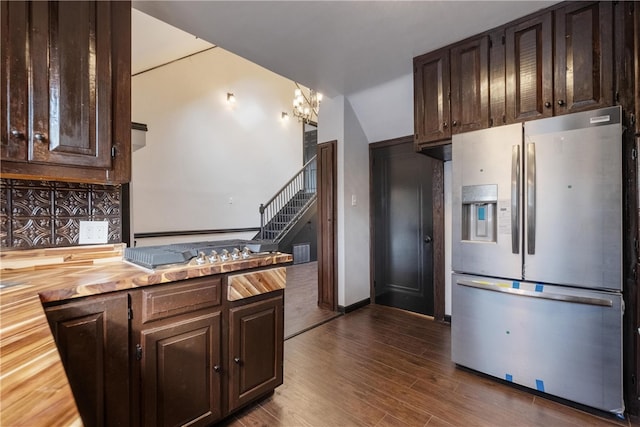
537,255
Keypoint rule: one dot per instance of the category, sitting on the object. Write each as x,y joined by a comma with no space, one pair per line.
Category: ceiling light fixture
231,98
306,107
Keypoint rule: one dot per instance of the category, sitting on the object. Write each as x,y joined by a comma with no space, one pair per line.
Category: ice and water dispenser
479,213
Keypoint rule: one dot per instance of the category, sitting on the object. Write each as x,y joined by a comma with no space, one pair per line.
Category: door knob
427,239
237,360
547,104
217,368
560,102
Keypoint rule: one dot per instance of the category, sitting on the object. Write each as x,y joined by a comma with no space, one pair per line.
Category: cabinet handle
445,125
237,360
39,137
216,368
16,133
454,123
560,102
547,104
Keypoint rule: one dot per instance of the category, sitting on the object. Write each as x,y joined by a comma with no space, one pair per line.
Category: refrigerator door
486,202
562,341
573,200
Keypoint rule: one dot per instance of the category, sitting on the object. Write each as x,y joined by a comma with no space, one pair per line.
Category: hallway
301,311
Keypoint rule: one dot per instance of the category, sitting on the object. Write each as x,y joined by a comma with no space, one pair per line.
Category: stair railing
304,181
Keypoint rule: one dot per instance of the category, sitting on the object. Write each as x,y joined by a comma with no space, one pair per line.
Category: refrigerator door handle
531,198
533,294
515,199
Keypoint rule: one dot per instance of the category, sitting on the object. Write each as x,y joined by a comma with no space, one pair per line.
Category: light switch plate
93,232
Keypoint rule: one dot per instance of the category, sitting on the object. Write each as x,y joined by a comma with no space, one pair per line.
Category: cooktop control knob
214,257
225,255
201,259
246,252
235,254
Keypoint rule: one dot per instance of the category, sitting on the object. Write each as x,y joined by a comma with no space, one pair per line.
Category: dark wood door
403,228
327,217
15,91
181,368
470,85
66,89
72,125
529,61
431,89
583,57
92,338
497,79
255,349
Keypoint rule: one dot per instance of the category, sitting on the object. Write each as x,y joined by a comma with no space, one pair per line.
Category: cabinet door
497,79
92,337
583,57
529,55
181,368
255,350
65,68
14,30
431,97
470,85
72,125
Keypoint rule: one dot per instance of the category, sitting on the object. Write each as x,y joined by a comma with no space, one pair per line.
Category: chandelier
305,107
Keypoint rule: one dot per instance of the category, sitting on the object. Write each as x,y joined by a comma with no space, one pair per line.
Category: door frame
438,228
327,226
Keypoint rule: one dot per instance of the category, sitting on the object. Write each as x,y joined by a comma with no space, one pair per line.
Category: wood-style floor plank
301,311
383,367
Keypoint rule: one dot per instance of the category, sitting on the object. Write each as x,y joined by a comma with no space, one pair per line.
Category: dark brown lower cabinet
92,336
181,369
175,354
255,349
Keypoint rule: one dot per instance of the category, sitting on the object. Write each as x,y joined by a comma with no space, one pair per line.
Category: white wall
339,122
207,165
355,200
385,111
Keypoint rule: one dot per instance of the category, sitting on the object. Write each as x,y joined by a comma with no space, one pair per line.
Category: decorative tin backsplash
42,214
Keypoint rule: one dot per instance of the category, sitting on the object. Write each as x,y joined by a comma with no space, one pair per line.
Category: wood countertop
34,390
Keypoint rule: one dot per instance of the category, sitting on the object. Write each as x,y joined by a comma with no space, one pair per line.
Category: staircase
280,214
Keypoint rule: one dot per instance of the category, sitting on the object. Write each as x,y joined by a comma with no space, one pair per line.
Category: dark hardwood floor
301,311
379,366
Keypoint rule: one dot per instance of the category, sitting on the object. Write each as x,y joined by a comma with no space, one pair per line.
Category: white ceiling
336,47
155,43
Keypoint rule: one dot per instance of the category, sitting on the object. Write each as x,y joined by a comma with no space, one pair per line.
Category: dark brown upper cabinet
470,85
497,78
66,76
583,62
431,86
529,69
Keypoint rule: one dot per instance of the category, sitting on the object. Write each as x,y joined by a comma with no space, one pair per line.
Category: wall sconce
285,116
231,98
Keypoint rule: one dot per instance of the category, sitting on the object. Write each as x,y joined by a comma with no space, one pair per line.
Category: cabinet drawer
246,285
169,300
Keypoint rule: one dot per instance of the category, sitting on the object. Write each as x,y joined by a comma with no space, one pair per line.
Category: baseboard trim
447,318
354,306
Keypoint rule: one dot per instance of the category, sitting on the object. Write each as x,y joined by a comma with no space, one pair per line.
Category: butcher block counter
34,390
